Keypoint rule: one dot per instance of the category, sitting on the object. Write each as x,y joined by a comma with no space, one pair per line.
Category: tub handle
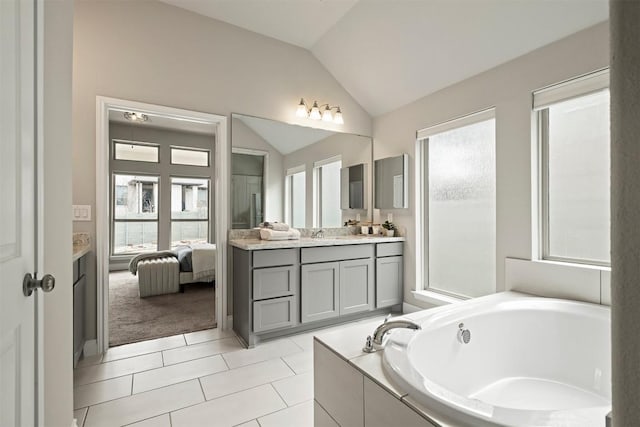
368,346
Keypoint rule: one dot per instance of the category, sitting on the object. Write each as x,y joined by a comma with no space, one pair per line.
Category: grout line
149,418
325,411
110,400
116,376
199,357
84,417
204,395
162,356
279,395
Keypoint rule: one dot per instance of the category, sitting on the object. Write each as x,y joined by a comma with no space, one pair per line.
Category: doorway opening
248,184
160,235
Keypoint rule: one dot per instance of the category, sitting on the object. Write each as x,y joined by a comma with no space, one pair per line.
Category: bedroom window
295,196
189,157
189,211
135,151
574,143
135,214
459,205
327,192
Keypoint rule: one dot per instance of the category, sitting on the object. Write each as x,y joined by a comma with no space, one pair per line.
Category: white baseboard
230,322
410,308
90,348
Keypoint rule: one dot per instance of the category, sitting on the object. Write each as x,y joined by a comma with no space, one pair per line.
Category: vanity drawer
389,249
335,253
274,282
274,257
274,314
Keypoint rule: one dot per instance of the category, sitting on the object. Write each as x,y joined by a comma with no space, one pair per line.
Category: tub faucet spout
381,330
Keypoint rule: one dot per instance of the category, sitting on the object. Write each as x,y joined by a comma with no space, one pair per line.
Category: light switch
81,212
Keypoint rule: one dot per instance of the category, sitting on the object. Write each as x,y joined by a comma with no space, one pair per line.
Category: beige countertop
306,242
80,250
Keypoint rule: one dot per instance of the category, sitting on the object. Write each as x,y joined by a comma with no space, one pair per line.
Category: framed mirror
296,174
392,183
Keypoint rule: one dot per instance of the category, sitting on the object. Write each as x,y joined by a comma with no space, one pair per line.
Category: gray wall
509,89
58,304
184,60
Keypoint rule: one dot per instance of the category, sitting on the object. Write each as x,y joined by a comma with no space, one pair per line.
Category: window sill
573,264
435,298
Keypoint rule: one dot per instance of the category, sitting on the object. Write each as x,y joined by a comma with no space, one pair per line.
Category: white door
17,211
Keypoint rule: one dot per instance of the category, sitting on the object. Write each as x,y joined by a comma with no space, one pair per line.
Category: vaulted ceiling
388,53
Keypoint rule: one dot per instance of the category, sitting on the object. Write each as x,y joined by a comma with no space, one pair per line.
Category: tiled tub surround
203,378
366,390
284,287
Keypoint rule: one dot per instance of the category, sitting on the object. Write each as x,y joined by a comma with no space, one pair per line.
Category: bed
166,272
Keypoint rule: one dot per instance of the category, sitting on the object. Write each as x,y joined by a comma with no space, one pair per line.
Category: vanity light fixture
136,117
314,113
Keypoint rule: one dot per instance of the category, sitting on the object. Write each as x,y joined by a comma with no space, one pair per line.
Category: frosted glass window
577,196
135,152
329,202
183,156
462,210
296,190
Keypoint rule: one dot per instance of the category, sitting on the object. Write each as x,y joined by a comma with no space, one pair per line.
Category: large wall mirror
304,176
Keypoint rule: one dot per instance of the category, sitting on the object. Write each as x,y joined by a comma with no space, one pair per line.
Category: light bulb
338,117
326,115
315,111
302,109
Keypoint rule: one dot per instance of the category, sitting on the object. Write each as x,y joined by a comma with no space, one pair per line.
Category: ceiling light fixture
136,117
314,112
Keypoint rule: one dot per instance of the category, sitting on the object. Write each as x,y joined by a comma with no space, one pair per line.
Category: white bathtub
530,362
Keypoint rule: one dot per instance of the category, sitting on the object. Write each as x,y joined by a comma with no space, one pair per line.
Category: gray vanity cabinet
265,291
356,286
279,291
79,295
320,291
389,271
339,287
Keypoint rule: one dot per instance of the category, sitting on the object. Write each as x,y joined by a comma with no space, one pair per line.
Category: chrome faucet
380,332
317,234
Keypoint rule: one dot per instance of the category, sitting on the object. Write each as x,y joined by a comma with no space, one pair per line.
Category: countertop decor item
389,229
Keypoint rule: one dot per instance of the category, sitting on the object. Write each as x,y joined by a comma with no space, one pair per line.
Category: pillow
184,258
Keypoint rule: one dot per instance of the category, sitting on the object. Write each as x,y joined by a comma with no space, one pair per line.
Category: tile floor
202,378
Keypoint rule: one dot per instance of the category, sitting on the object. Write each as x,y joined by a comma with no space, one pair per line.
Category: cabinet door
319,291
79,290
389,281
356,286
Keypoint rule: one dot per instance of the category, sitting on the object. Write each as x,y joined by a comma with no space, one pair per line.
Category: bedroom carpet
133,319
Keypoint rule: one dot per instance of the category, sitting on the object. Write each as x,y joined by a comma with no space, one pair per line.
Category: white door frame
221,196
